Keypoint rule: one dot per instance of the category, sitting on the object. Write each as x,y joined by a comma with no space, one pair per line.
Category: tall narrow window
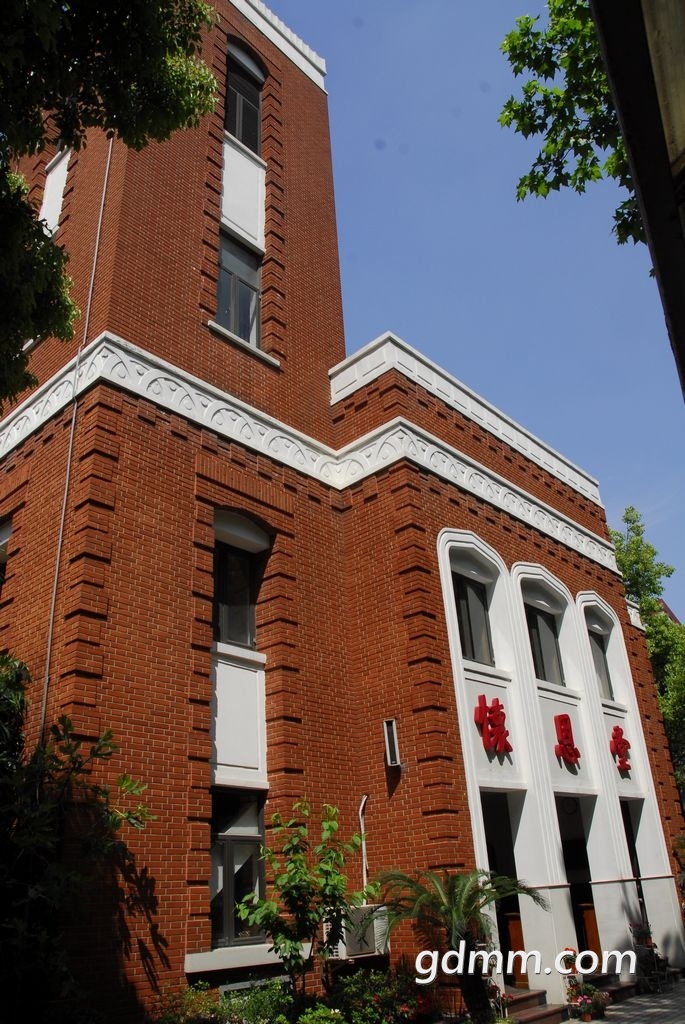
55,182
239,559
237,838
243,96
238,298
237,576
544,644
471,598
599,633
5,529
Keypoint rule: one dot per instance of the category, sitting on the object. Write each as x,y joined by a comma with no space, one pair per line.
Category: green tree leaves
643,576
310,890
130,68
34,288
451,907
567,102
44,794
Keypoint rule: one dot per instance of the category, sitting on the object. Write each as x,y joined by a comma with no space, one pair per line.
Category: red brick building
246,553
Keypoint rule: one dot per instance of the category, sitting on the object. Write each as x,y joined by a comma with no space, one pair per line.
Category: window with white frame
237,867
243,98
599,628
239,289
544,611
53,191
479,605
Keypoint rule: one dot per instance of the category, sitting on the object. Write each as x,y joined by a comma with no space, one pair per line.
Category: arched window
599,628
544,610
478,605
607,647
243,98
472,581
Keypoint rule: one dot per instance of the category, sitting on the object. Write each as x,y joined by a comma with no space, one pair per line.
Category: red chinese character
619,747
491,721
565,748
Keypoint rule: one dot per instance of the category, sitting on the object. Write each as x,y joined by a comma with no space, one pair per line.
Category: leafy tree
452,908
40,792
129,67
643,576
567,102
309,891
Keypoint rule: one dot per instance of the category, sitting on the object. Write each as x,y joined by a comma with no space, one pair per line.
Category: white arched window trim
537,587
593,611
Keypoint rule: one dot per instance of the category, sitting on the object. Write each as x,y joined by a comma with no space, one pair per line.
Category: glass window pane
236,866
242,108
217,896
472,615
249,129
246,871
235,576
232,110
223,313
550,648
544,645
246,319
599,656
238,290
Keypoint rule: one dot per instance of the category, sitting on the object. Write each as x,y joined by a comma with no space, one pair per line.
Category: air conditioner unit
365,935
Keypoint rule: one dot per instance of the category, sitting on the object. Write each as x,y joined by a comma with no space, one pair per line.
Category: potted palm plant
450,908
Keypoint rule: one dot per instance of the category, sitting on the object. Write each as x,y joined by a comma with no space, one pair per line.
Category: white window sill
230,958
478,669
242,655
236,957
614,705
546,688
245,150
244,345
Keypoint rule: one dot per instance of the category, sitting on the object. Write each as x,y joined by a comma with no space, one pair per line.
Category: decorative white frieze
389,352
109,359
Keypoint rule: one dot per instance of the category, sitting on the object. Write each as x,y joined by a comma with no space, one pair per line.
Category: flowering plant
600,999
499,998
568,956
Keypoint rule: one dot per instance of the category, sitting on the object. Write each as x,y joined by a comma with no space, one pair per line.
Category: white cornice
266,22
111,360
391,353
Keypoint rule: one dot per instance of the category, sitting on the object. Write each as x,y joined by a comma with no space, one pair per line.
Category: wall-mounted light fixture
392,750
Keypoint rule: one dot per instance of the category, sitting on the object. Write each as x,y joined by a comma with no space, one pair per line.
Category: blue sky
532,304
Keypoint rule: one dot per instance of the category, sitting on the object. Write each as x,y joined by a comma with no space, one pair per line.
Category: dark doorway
500,843
572,828
631,811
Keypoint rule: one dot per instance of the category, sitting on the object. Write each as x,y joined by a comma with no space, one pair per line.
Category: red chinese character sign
619,747
491,719
566,748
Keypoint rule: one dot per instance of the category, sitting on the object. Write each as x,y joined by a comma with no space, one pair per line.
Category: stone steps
530,1006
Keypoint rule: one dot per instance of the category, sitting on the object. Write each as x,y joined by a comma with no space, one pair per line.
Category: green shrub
380,997
321,1015
197,1004
260,1004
